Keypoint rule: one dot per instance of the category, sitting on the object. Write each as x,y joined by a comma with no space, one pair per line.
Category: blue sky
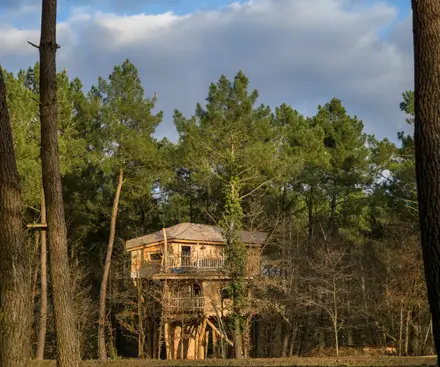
300,52
177,6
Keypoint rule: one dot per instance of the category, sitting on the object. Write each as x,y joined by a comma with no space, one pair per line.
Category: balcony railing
184,304
185,263
178,265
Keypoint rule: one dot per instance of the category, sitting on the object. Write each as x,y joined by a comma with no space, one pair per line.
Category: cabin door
185,256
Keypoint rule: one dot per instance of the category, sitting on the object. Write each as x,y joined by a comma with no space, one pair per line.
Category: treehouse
188,260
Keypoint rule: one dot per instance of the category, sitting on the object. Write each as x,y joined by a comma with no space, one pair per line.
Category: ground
263,362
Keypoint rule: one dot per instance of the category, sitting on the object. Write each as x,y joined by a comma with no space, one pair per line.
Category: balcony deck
180,266
184,264
176,305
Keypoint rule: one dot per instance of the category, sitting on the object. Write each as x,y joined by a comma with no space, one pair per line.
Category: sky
299,52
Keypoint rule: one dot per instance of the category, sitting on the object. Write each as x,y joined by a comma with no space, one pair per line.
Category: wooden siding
186,258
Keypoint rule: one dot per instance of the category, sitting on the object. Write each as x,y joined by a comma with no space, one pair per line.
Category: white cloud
303,52
13,41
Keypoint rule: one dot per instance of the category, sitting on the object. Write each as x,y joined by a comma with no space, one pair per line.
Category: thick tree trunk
15,286
108,258
292,340
426,32
285,334
43,277
67,341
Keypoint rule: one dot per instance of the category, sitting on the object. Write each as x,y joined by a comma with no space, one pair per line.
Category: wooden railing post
165,244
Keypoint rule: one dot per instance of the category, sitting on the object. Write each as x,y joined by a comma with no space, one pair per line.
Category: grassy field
282,362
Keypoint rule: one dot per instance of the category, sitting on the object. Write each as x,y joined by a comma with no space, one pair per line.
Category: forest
342,263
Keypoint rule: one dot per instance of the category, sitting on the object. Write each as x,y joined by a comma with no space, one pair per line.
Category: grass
263,362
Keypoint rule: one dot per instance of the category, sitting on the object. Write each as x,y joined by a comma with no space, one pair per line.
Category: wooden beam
214,329
37,225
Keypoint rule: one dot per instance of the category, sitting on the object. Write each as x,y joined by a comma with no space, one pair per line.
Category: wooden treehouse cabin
188,262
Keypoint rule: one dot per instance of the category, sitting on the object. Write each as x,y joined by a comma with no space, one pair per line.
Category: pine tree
426,32
15,301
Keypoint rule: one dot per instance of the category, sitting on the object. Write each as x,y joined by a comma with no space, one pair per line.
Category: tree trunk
310,216
401,329
408,319
425,341
292,342
141,333
67,341
335,320
426,32
108,258
285,333
237,337
43,278
335,326
331,231
15,286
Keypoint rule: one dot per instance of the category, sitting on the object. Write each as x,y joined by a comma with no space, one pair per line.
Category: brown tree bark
15,282
43,279
426,32
285,334
108,258
238,347
67,341
141,335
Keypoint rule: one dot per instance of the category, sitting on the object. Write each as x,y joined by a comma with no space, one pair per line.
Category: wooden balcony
185,264
180,265
187,304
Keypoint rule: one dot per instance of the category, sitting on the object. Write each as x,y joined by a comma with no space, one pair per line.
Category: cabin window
197,290
185,254
186,250
156,256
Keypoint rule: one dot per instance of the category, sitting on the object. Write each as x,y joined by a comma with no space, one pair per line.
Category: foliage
312,183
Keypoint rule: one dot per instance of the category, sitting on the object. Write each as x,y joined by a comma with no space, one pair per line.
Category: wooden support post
167,340
182,340
190,353
196,342
177,340
201,351
165,244
206,343
214,344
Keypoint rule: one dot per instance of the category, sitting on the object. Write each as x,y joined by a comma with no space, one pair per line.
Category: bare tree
68,349
105,275
426,33
329,275
15,287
